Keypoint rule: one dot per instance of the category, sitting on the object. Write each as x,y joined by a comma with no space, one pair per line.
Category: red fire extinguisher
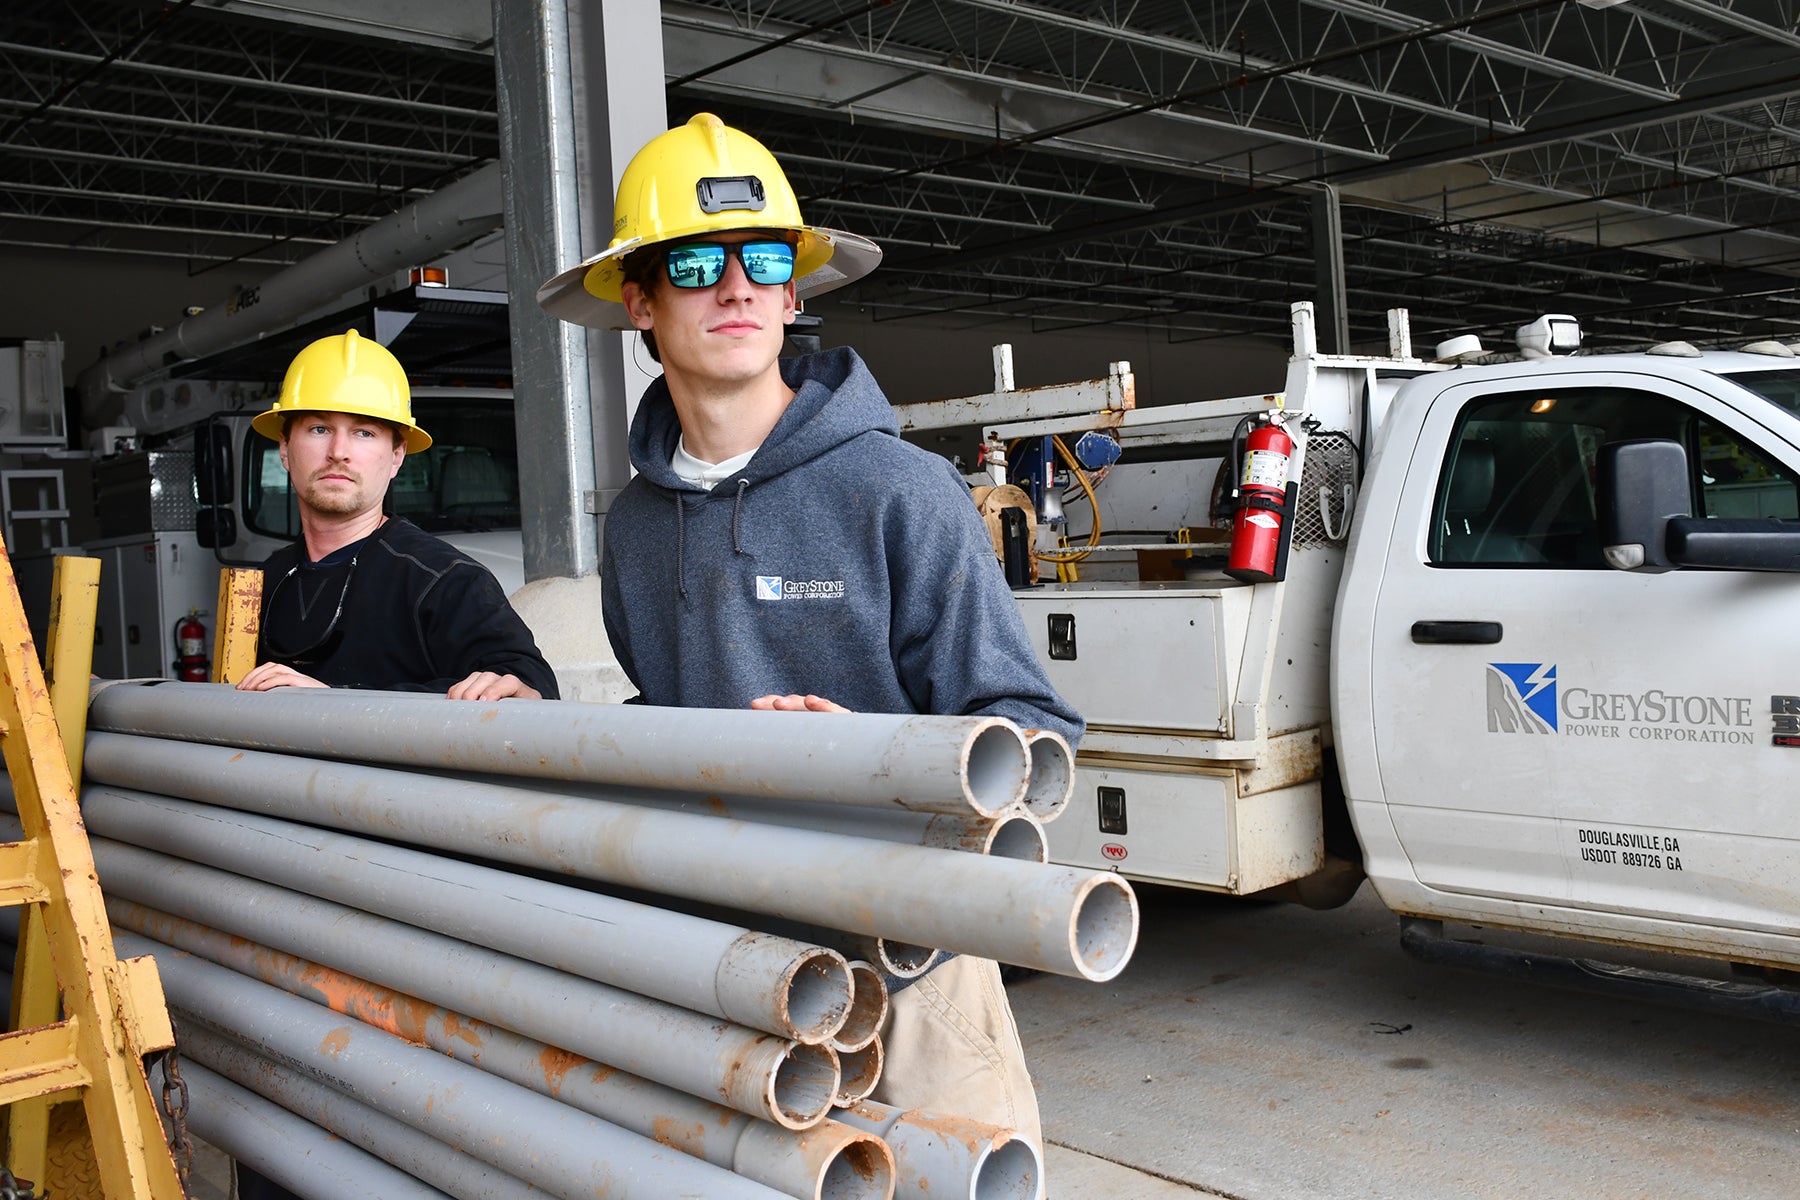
1261,504
190,648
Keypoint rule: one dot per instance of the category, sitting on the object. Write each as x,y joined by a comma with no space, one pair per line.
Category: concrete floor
1266,1052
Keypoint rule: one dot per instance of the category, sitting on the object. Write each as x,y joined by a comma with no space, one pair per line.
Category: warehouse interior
1148,181
1205,210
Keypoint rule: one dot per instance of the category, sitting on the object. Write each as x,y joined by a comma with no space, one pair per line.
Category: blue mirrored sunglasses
702,264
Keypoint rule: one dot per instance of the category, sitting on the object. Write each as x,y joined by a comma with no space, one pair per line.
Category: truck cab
1532,736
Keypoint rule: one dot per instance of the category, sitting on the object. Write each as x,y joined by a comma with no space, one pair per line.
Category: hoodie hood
835,399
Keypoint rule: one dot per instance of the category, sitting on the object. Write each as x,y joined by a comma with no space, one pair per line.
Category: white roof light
1458,349
1552,334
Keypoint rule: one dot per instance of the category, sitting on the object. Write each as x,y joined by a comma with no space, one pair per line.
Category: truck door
1550,730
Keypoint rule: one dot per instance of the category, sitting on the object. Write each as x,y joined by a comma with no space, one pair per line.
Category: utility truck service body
1530,664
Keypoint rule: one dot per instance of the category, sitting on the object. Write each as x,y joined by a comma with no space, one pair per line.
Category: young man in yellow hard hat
363,600
781,546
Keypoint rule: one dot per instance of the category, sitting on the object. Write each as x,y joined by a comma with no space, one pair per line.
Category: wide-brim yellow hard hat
345,373
702,178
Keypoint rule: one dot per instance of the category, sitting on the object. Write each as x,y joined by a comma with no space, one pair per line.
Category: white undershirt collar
698,471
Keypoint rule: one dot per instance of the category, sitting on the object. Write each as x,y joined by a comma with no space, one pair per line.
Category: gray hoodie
841,561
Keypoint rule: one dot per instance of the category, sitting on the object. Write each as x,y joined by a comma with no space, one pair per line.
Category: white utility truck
1525,659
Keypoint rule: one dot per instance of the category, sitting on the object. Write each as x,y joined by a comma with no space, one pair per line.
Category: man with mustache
363,600
782,548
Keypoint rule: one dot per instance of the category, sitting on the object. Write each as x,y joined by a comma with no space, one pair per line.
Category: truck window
1517,485
467,481
1780,387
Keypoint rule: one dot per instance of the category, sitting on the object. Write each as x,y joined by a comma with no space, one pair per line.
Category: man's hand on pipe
486,685
791,703
273,675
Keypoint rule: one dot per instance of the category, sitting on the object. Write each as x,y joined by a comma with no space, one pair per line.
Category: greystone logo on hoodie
774,587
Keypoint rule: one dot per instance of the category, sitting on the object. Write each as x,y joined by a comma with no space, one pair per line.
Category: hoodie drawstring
680,558
737,506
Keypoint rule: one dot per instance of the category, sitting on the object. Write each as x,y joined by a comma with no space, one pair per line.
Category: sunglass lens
767,262
698,266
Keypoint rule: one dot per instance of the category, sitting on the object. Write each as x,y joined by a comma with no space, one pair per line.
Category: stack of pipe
580,949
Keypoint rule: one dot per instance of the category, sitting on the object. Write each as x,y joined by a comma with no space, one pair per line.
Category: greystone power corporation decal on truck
1528,698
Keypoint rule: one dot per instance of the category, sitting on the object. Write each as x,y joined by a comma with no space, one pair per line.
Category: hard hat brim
269,425
570,295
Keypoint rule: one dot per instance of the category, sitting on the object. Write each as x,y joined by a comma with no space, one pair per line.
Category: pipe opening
1012,1171
804,1085
859,1071
818,996
1051,783
997,767
862,1170
1019,837
903,959
868,1009
1106,928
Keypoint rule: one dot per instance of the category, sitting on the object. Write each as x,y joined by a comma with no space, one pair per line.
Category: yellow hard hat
348,374
701,178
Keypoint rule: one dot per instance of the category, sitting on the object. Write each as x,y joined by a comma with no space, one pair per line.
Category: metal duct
451,217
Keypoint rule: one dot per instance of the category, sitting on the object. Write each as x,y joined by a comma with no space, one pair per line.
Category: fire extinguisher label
191,647
1266,468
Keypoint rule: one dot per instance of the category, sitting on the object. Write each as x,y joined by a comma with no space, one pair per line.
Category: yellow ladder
113,1011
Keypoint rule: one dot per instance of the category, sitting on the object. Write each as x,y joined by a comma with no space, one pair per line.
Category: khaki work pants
951,1046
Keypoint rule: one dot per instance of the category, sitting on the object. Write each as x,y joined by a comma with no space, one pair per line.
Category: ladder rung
39,1062
18,875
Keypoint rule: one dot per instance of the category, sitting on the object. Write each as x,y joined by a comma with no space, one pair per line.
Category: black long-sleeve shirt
400,610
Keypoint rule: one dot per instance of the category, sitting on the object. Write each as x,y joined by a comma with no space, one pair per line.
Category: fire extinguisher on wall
1262,504
190,648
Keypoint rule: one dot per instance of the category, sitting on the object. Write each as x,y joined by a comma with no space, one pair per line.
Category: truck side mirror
1646,524
215,525
1643,483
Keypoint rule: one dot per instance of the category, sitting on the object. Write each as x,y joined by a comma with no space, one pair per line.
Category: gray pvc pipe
859,1071
881,760
289,1149
1051,918
1014,833
752,1072
868,1009
770,983
830,1161
940,1157
396,1143
1052,782
557,1148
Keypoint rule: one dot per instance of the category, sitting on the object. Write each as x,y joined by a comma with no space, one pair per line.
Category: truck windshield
1780,387
467,481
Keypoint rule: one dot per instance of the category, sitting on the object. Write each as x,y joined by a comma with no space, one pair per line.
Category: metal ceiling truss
1144,164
